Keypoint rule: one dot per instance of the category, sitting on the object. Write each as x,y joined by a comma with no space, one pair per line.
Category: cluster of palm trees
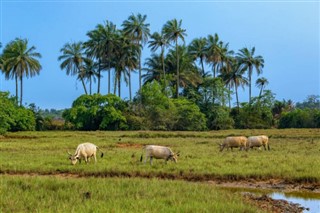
119,51
18,61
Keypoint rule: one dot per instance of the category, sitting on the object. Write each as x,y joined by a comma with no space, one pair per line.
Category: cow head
73,158
175,156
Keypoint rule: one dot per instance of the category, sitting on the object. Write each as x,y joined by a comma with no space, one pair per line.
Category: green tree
89,72
248,61
21,61
138,31
261,83
72,60
158,40
172,31
213,52
197,50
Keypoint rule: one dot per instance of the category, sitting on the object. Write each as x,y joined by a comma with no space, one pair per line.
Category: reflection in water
312,203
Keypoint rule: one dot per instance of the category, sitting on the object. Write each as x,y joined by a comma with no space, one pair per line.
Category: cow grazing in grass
234,142
258,141
159,152
84,151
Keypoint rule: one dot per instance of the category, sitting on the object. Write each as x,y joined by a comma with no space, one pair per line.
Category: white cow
84,151
234,142
159,152
258,141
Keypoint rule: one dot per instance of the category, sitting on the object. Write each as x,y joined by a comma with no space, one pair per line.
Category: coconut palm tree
248,61
158,40
19,61
138,31
213,52
101,47
237,79
90,72
72,60
261,83
154,69
172,32
197,50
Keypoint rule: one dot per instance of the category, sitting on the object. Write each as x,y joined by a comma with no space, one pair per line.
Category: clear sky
285,33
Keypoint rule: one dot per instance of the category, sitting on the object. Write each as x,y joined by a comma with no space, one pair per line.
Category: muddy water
310,201
307,200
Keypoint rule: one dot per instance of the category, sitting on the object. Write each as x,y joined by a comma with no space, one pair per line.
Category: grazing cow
232,142
159,152
258,141
84,151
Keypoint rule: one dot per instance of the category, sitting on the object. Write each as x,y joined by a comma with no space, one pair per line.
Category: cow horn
69,153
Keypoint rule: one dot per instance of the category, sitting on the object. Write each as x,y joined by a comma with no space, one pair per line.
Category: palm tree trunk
236,88
129,74
229,96
164,70
91,86
99,72
16,78
115,82
201,61
109,77
250,73
21,90
84,86
119,87
177,89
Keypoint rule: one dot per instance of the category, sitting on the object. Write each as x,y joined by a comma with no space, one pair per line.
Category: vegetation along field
34,166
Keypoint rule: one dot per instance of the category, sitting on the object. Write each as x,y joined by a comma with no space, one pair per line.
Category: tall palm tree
197,50
101,46
172,31
154,68
261,83
158,40
90,72
213,52
72,60
20,61
248,61
138,31
237,79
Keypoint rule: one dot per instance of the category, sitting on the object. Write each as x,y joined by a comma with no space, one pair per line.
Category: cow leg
151,160
95,158
264,146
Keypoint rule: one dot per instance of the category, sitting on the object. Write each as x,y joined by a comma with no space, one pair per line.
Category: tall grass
63,194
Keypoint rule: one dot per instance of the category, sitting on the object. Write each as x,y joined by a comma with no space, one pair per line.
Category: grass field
294,156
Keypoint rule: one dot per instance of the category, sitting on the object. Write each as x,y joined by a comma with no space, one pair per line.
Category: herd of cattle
86,151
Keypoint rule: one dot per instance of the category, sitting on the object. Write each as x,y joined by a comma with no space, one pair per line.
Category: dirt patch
272,205
129,145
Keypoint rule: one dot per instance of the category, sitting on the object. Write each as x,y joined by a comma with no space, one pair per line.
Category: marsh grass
294,155
61,194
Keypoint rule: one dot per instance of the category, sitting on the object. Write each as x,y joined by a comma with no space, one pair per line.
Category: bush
97,112
300,118
219,118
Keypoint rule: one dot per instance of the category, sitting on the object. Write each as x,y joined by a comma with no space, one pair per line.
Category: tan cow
258,141
159,152
84,151
234,142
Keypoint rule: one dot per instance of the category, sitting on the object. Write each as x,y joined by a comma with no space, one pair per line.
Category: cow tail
102,154
142,154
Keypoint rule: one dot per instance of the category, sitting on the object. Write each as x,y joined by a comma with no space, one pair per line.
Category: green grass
65,194
294,155
38,177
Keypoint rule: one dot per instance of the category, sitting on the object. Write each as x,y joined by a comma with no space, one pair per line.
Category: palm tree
213,52
172,31
237,79
101,46
158,40
197,50
153,68
138,31
90,72
20,61
261,83
248,61
72,60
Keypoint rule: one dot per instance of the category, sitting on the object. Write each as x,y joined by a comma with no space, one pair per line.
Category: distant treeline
152,110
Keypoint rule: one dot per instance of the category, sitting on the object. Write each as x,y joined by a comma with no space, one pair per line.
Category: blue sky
285,33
